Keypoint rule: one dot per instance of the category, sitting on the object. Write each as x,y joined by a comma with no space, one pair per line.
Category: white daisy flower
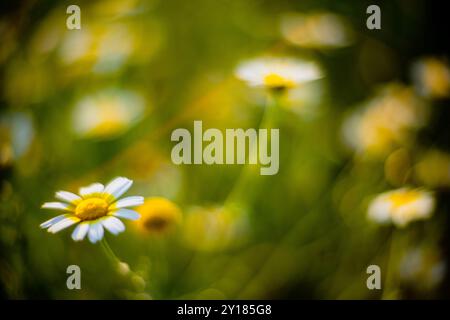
401,206
277,73
95,208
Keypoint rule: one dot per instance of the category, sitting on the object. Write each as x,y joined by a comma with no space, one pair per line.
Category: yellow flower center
92,208
401,198
274,80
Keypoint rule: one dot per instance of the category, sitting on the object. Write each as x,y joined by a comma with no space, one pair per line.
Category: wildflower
96,207
388,120
108,113
316,30
277,73
401,206
432,77
159,215
96,46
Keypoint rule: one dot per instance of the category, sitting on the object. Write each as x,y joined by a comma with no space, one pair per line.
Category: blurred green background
80,106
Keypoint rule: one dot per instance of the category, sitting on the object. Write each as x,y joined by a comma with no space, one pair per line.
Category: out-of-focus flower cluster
387,121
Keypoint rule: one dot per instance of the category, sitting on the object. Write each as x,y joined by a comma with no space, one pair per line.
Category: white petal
54,220
68,197
90,190
116,188
57,206
127,202
113,225
80,231
380,210
95,232
425,205
64,223
402,219
126,214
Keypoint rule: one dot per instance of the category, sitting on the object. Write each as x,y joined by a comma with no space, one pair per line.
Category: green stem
108,251
266,122
389,285
120,265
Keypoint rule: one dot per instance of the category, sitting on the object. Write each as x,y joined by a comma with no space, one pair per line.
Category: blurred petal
126,214
379,210
277,72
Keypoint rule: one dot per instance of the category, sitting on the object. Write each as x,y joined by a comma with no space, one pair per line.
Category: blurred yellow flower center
92,208
156,223
274,80
158,215
402,198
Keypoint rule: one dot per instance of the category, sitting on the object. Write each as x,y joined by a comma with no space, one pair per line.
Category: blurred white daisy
401,206
107,113
387,120
322,30
431,77
422,268
277,73
96,207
